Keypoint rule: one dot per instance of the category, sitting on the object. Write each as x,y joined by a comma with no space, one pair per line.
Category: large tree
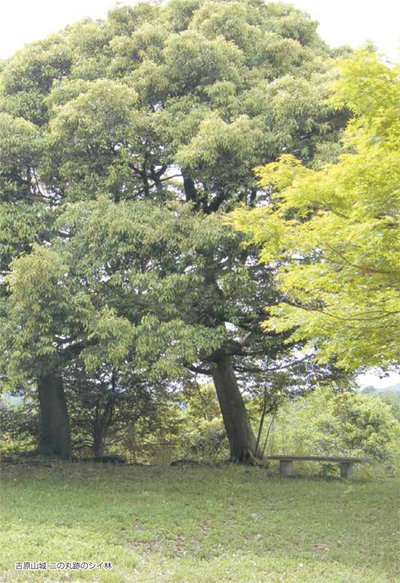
157,103
338,229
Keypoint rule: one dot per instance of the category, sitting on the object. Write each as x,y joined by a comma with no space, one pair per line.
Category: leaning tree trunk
55,434
240,434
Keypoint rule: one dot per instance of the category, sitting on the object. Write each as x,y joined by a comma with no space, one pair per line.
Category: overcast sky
341,22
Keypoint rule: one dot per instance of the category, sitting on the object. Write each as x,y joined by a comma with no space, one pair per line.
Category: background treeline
188,425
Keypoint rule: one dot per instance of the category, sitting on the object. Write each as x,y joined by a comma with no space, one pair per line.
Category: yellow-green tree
333,233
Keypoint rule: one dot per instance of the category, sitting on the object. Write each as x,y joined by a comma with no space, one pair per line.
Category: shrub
19,425
327,423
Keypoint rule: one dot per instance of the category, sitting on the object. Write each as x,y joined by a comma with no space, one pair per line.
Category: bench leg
286,468
346,470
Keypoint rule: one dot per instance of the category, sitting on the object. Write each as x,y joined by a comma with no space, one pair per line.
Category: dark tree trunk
103,421
99,434
55,438
240,434
98,443
189,188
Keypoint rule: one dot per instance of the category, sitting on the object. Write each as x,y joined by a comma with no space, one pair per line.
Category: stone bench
286,467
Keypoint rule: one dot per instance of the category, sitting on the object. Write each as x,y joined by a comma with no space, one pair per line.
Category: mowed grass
195,525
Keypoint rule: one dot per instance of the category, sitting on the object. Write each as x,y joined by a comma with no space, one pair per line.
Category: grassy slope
198,525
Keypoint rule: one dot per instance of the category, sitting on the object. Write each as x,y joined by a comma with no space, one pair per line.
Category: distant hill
392,388
375,391
10,399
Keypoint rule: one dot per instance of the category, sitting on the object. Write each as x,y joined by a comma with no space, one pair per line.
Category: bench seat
286,467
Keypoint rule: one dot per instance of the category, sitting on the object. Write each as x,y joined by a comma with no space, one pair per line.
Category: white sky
341,22
368,379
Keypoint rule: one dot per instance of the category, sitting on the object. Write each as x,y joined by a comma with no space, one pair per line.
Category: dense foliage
124,142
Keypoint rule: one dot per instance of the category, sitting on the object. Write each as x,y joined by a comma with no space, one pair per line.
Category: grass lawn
197,525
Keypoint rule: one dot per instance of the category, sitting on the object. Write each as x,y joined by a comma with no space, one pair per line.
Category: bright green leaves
334,234
371,90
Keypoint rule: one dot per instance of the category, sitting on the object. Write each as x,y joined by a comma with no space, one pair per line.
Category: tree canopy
125,141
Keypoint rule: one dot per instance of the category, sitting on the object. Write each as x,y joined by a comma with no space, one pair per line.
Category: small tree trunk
55,436
103,422
240,434
97,444
99,436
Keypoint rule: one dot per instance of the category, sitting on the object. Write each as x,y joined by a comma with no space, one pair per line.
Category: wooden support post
286,468
346,470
